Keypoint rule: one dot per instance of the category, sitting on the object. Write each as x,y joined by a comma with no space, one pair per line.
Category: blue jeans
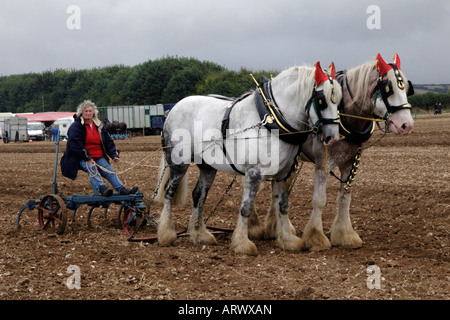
95,174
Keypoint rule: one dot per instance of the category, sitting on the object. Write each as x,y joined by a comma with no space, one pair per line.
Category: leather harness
273,119
346,130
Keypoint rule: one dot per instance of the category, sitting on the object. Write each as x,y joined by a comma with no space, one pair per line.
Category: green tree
231,83
165,80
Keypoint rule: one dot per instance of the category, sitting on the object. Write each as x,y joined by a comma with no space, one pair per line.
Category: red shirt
93,142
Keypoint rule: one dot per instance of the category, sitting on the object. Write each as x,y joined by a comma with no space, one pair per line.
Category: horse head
325,99
110,127
391,96
122,127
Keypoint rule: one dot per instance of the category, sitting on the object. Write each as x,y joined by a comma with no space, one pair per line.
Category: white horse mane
306,82
363,81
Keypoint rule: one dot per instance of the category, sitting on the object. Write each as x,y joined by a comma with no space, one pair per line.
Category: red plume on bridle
382,66
319,75
397,60
332,70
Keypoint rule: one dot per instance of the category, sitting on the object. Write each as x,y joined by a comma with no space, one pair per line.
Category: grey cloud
263,34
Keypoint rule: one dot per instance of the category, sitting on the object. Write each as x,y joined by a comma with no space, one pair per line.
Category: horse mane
361,81
306,82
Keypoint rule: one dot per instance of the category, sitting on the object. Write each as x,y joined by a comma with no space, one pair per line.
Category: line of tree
165,80
426,101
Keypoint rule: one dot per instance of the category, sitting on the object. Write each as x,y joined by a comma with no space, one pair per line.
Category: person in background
54,133
90,148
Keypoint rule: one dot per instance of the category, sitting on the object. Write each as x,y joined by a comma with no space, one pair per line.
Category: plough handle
55,187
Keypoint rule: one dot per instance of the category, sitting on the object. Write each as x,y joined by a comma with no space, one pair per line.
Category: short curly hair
84,105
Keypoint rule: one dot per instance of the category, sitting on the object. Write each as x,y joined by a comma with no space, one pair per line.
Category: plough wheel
52,214
128,226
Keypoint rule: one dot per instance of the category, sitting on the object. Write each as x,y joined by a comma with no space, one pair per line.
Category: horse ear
382,66
332,70
319,75
397,60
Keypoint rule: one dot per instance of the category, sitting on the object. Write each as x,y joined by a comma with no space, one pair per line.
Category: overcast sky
45,35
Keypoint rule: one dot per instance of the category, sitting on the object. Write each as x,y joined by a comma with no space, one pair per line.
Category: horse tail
163,176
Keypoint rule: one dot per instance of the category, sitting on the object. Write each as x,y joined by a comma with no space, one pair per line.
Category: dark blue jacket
76,150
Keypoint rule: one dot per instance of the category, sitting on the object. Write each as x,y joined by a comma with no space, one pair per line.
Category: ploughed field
400,208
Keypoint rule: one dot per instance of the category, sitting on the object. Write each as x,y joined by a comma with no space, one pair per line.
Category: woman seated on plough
89,148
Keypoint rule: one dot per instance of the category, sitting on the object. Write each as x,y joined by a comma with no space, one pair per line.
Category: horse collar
272,116
351,134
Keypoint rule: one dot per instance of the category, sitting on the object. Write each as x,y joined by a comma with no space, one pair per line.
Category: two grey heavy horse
258,136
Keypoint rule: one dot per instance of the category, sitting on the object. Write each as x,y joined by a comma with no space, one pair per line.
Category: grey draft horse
248,137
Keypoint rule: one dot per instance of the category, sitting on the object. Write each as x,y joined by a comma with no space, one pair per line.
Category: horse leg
342,233
286,238
255,228
197,229
313,235
270,224
240,242
166,228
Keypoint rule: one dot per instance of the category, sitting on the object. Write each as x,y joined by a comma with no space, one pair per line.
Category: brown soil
400,208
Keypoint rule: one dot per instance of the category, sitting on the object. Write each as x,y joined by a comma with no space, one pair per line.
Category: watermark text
373,22
73,22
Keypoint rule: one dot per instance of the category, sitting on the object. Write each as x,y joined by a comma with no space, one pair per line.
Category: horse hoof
294,244
316,241
349,239
205,238
166,239
246,248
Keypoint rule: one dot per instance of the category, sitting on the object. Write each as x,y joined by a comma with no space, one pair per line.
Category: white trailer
15,129
63,126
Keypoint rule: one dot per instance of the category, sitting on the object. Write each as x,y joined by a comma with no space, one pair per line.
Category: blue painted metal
75,201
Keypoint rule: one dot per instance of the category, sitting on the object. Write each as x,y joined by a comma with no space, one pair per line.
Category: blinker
410,89
321,103
387,88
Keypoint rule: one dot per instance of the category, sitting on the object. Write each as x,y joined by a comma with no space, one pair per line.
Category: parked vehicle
15,129
146,119
36,131
63,126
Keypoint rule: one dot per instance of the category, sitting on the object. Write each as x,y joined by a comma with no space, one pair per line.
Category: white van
36,131
63,126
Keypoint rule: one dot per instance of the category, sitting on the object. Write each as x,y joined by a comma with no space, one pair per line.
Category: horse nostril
404,126
327,139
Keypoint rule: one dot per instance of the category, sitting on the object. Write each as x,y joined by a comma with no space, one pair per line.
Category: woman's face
88,114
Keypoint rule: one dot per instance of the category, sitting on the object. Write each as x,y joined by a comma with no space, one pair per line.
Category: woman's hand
116,159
